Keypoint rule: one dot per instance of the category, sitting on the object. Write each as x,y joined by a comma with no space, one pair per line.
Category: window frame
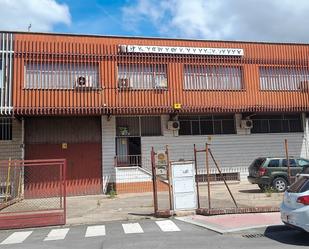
283,118
273,79
139,121
212,70
6,129
207,118
141,74
65,67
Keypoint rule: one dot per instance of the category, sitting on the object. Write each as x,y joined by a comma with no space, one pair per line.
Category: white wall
230,151
305,144
108,147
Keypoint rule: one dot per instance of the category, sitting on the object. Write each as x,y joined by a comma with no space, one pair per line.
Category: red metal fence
32,193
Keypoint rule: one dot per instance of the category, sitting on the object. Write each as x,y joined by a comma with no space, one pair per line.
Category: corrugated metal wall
55,130
234,151
102,54
77,139
6,72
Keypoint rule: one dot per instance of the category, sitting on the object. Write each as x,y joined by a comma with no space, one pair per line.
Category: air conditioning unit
246,124
160,83
84,81
122,48
173,125
124,83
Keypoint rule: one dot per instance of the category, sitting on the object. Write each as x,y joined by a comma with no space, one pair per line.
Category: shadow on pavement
286,235
250,191
142,214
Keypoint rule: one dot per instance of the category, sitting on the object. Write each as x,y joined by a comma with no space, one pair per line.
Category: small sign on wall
64,146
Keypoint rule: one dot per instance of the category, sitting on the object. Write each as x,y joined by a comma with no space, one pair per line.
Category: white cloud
264,20
42,14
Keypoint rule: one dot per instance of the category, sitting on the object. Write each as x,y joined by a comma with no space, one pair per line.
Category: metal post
64,189
287,159
196,179
154,181
169,178
208,178
217,166
8,181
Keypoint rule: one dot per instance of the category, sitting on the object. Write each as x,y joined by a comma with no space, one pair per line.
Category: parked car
295,206
273,172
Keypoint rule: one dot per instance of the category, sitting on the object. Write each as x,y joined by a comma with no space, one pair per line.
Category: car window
303,162
258,163
292,163
300,184
305,187
273,163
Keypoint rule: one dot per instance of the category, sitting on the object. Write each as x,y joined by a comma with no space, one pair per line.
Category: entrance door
128,150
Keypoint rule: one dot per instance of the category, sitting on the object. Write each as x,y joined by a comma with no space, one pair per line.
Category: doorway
128,151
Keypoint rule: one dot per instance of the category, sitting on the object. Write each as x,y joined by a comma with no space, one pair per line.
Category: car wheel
262,186
280,184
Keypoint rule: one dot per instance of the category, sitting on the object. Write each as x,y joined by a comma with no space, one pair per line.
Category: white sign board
183,179
181,50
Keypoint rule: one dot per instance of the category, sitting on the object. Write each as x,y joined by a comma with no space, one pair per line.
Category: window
5,128
142,76
1,75
291,161
60,75
273,163
204,125
212,78
302,162
277,123
138,126
278,78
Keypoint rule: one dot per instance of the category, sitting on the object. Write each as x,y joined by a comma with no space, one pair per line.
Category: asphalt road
148,234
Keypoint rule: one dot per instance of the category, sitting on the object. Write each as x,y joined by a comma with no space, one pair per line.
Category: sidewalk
101,208
234,222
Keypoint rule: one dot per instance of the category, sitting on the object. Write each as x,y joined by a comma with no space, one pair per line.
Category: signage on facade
181,50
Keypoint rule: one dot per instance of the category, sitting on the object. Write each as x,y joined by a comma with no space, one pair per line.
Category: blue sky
248,20
99,17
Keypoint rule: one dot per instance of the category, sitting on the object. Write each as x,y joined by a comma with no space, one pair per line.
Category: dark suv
271,171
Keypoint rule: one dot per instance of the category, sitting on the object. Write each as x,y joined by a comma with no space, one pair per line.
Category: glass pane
228,127
185,128
206,127
217,127
273,163
195,128
275,126
127,126
295,126
151,126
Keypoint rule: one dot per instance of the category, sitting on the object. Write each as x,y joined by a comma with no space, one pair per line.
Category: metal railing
128,160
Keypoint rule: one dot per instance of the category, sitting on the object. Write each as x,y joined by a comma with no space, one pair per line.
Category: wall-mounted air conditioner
173,125
124,83
246,124
84,81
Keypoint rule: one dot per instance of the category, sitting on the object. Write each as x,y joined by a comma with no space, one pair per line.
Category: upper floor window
142,76
6,128
212,78
208,124
284,78
277,123
60,76
1,75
